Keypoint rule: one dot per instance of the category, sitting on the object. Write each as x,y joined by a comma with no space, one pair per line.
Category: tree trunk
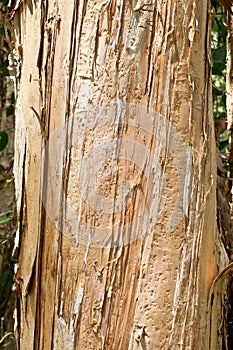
115,175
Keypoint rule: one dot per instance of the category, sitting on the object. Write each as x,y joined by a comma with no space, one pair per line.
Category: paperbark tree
115,174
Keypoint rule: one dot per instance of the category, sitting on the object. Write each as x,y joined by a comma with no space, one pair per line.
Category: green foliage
4,217
4,68
219,35
7,278
6,183
219,58
3,140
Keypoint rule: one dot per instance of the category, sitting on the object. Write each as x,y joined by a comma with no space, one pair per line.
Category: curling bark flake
117,209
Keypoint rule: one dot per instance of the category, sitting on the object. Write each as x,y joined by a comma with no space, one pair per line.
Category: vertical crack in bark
53,25
150,70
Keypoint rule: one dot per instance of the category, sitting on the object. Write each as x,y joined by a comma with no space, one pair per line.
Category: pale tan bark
89,62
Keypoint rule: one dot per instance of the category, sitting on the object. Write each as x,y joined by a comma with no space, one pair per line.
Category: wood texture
124,94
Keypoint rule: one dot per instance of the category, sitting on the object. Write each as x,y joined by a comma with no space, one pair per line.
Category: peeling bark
115,175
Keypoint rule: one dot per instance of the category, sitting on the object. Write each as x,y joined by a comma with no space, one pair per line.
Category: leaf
3,140
217,92
214,3
13,260
6,218
10,110
225,167
219,54
2,221
6,213
225,135
7,278
218,68
9,181
223,145
12,98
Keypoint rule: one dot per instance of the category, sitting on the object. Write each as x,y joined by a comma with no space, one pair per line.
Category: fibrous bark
115,175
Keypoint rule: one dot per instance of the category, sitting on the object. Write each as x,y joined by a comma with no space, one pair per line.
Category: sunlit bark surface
115,175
